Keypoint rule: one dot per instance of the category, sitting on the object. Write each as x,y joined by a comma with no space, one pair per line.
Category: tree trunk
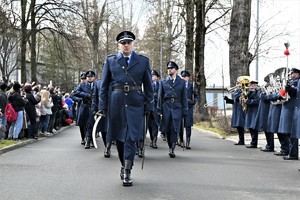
199,57
33,65
23,40
189,42
238,40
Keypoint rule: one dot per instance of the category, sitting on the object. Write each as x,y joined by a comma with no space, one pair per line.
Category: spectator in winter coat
18,104
46,105
3,102
31,111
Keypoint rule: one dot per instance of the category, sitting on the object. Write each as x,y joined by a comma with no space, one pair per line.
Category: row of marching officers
126,95
269,112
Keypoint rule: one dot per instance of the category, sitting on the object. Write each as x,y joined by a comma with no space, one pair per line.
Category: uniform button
126,105
126,93
126,83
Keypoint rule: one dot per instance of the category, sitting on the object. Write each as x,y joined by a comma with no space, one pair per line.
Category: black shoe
267,150
82,142
87,145
107,153
281,153
154,145
171,153
140,153
251,146
240,143
290,158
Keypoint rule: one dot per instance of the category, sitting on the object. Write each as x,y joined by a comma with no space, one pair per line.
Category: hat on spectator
3,85
82,76
185,73
155,73
27,87
172,64
90,73
125,35
16,86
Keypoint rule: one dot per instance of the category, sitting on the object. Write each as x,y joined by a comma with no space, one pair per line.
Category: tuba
281,81
244,81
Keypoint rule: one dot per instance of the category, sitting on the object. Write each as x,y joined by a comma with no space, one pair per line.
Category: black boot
107,150
154,143
171,151
140,149
188,139
127,181
87,143
122,173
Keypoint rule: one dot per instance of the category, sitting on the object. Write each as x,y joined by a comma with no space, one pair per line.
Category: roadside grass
6,143
217,125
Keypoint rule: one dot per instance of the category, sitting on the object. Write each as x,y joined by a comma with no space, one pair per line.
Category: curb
23,143
210,133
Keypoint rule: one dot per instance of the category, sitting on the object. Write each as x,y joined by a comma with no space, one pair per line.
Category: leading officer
127,73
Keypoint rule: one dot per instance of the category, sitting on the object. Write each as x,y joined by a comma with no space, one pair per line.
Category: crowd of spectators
40,111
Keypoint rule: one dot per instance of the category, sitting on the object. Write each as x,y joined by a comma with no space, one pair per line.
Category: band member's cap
82,76
155,73
172,64
254,81
185,73
294,70
90,73
125,35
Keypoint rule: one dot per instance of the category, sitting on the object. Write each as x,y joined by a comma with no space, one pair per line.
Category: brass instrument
232,89
244,81
280,83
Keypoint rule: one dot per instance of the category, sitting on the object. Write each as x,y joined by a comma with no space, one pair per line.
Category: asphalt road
60,168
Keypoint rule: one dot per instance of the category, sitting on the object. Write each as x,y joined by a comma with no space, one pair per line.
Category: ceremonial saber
182,125
145,133
95,129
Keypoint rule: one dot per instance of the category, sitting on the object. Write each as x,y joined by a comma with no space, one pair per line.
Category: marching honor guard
192,97
172,105
85,118
154,120
102,126
127,73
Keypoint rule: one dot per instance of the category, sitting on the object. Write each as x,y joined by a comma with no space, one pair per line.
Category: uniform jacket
84,94
252,108
96,106
172,111
192,97
274,114
296,117
126,108
238,115
262,113
287,112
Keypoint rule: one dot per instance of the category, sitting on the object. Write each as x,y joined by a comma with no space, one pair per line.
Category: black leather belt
126,88
171,100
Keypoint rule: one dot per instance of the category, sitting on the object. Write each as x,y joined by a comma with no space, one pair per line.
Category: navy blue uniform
154,120
85,114
173,105
252,109
127,102
238,115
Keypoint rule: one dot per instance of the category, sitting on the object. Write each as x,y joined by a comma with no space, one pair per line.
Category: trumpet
212,103
232,89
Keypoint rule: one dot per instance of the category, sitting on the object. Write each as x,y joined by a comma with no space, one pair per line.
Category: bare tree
202,9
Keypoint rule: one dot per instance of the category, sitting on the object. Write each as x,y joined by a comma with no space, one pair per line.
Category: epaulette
111,55
144,56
